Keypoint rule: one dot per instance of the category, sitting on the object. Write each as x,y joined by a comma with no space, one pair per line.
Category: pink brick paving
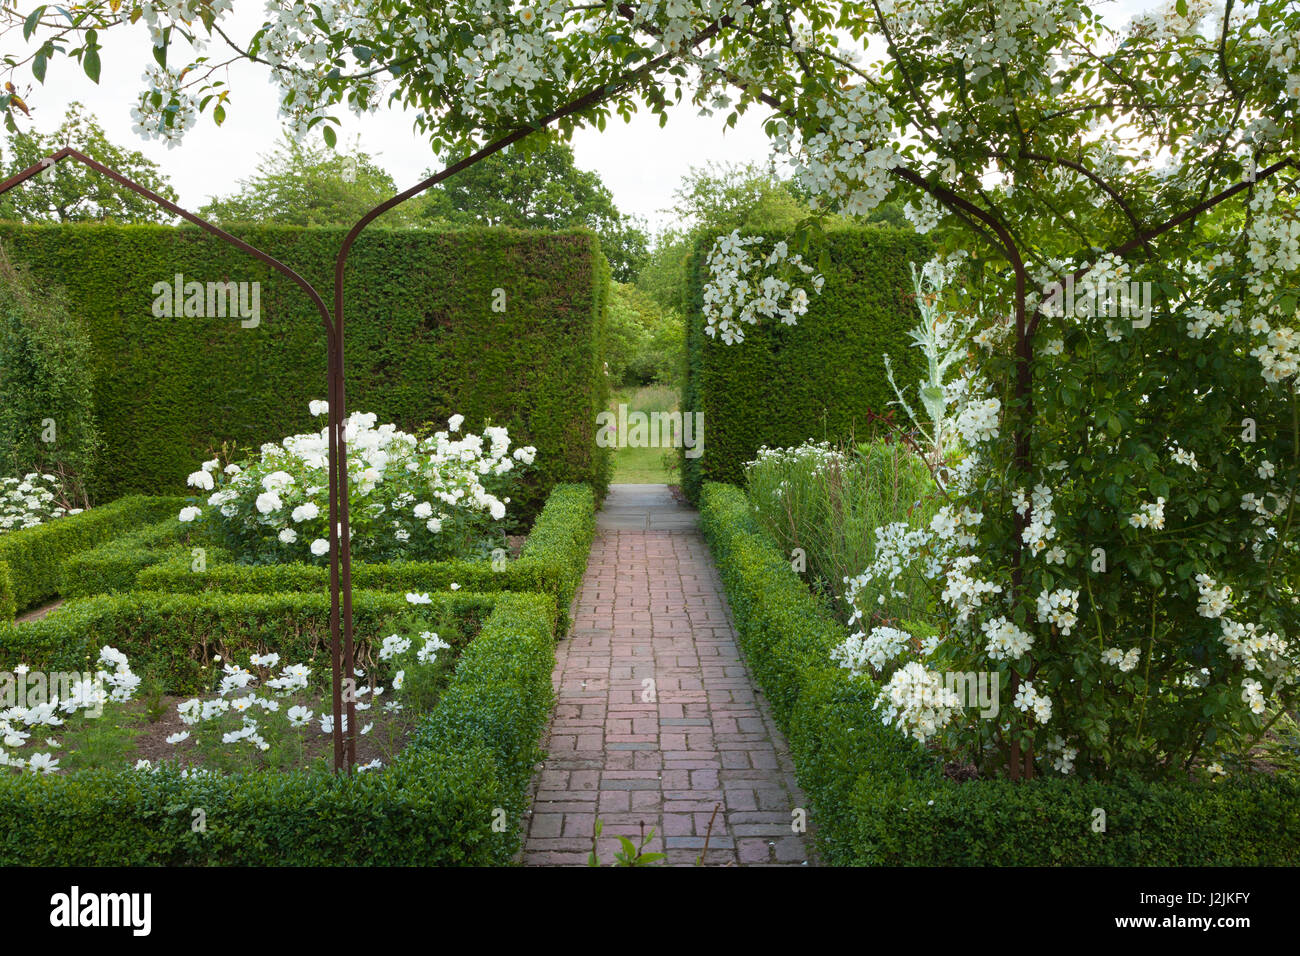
651,606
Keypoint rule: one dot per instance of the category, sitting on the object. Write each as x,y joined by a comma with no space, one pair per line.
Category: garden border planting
177,635
33,560
880,800
552,562
464,772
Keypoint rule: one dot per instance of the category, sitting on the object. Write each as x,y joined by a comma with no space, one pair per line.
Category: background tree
538,187
308,184
47,409
71,192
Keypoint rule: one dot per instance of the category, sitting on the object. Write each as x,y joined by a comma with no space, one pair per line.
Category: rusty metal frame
341,643
340,536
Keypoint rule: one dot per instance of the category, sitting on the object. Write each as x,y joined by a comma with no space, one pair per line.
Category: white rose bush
1118,543
31,500
432,498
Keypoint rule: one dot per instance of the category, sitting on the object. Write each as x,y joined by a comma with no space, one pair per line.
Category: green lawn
646,466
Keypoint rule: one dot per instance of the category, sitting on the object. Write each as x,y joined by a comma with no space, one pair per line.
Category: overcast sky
639,162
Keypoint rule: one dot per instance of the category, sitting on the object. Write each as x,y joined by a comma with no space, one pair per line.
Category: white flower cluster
917,702
1028,699
963,592
846,164
744,289
861,653
29,501
1063,755
1039,531
1006,641
1213,600
1124,660
978,421
956,527
1273,235
1059,608
1252,694
812,457
1182,456
293,678
1149,515
898,546
87,695
408,488
925,215
1258,650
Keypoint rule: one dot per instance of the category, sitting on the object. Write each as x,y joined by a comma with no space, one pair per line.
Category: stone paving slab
658,724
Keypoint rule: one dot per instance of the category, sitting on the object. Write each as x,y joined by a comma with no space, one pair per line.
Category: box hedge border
32,560
878,799
177,635
112,567
470,758
553,561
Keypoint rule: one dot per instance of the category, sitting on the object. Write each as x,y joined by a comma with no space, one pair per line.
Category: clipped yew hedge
423,340
817,379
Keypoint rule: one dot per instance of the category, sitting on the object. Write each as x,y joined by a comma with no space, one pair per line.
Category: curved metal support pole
339,536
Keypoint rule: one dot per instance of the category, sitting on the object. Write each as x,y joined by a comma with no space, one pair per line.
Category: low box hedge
878,799
552,562
441,802
32,560
176,636
113,567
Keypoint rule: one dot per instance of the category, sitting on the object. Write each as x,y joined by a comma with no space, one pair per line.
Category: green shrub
819,379
32,561
112,568
174,637
879,799
829,501
423,340
47,410
469,761
553,561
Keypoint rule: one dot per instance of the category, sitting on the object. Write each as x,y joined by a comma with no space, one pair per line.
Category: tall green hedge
423,340
816,379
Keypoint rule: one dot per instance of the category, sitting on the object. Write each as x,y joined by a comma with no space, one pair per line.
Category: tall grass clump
823,504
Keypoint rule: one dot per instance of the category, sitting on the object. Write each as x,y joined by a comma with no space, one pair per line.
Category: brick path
651,607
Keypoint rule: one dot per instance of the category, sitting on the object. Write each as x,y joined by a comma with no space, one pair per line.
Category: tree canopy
309,184
536,185
72,193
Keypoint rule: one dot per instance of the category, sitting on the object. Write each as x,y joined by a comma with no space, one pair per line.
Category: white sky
640,162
